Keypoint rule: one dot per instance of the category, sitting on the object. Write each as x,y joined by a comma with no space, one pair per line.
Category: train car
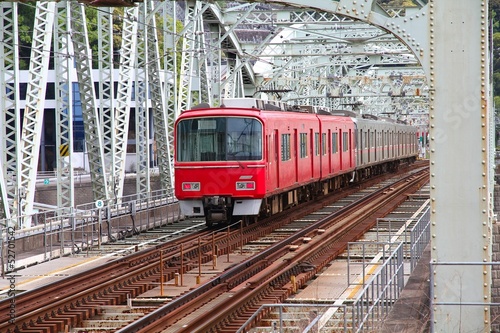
235,162
382,144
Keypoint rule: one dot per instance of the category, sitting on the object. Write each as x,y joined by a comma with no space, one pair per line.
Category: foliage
26,19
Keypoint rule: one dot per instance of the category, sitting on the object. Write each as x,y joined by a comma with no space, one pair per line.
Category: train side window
335,143
323,144
316,144
285,147
345,141
303,145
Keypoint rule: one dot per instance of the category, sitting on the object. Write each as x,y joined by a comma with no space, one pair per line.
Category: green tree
26,19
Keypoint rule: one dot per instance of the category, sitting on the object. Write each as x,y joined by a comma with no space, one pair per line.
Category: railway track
266,278
57,308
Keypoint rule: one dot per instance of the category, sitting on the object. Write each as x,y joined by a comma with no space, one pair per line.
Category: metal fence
380,281
75,230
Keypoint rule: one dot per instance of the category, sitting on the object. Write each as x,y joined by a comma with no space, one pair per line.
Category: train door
277,157
329,150
382,144
311,148
399,144
351,148
375,143
295,155
393,144
361,142
369,142
341,151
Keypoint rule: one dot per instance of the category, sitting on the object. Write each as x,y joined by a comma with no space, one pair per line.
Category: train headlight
245,185
191,186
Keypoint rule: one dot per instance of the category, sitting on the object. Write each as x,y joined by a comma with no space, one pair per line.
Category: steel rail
33,305
166,315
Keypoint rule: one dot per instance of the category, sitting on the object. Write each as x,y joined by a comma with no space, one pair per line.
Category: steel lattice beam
141,105
106,97
34,110
10,128
64,111
123,94
160,119
93,132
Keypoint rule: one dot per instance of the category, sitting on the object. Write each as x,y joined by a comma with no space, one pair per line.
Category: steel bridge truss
363,55
313,57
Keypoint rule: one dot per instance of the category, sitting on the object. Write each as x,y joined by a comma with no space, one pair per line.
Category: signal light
245,185
191,186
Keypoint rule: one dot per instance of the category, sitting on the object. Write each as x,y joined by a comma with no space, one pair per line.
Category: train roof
271,105
259,105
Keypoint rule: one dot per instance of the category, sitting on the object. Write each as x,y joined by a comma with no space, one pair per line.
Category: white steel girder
461,165
190,66
93,132
10,127
141,105
312,52
106,98
123,94
63,54
34,110
169,56
160,120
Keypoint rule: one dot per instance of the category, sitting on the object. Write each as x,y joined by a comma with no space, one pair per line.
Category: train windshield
219,139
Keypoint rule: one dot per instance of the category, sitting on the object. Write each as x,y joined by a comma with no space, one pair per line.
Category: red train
243,160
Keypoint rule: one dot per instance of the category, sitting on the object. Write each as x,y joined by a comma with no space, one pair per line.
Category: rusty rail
264,279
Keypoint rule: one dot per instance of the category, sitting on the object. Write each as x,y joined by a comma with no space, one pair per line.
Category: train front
219,164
